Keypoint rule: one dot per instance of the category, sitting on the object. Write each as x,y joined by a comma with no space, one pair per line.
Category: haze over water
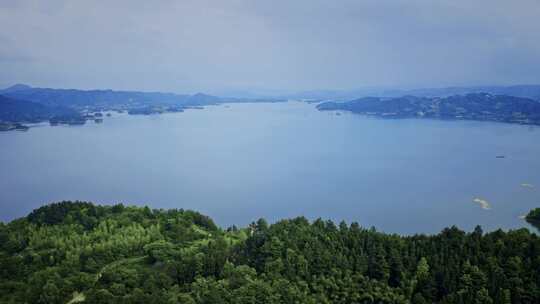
239,162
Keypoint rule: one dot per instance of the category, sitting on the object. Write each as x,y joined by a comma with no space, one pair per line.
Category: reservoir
239,162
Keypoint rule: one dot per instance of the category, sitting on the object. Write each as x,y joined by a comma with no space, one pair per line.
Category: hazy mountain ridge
16,87
82,98
525,91
25,104
97,99
16,110
474,106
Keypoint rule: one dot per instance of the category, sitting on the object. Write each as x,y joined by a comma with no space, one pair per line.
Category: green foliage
534,214
76,252
534,218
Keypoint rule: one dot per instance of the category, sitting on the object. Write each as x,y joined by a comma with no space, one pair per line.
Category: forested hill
477,106
74,98
73,252
14,110
106,99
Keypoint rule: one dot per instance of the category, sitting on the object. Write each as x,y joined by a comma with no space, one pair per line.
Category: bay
239,162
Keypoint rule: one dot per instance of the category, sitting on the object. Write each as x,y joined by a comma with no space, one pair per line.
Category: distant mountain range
474,106
526,91
72,98
15,110
22,103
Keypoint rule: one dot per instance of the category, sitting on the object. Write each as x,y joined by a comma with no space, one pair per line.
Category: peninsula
475,106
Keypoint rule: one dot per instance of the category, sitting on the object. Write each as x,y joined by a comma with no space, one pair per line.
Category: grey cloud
188,46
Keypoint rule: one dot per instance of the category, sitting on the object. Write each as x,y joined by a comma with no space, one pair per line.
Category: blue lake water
239,162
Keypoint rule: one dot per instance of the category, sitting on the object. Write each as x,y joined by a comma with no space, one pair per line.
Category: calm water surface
240,162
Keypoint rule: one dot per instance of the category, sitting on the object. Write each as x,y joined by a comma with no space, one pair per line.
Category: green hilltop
78,252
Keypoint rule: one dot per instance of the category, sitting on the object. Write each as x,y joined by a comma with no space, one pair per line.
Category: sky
222,46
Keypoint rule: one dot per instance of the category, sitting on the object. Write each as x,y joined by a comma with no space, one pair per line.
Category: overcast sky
292,45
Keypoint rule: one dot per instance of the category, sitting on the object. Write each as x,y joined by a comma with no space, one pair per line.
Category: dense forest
73,252
534,218
534,215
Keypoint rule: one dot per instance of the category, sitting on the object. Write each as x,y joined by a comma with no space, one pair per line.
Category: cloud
484,204
289,45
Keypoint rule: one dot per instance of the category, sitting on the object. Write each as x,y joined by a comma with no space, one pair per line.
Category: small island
149,110
71,119
6,126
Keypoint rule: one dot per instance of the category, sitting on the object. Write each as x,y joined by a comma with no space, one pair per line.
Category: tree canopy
78,252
